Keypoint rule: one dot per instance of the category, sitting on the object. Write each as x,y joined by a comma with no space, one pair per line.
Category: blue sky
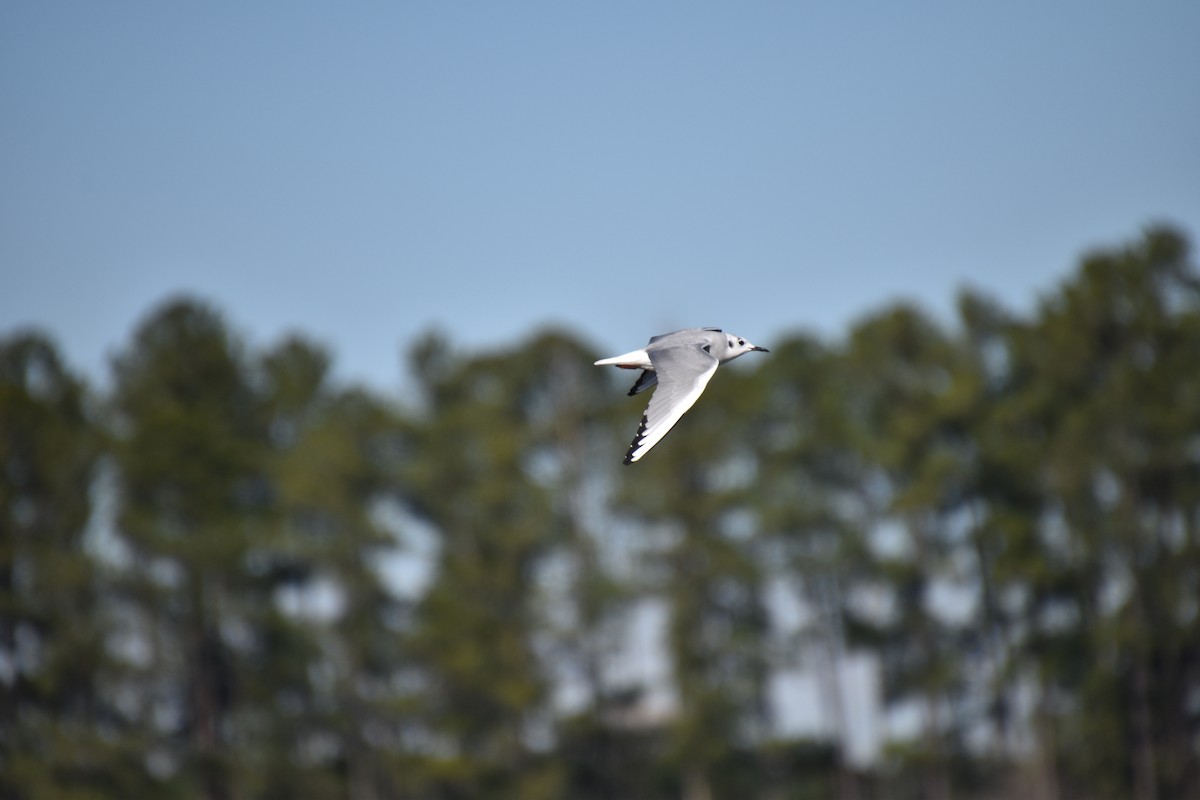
364,171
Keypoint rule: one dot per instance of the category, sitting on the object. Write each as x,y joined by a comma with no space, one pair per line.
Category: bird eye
741,342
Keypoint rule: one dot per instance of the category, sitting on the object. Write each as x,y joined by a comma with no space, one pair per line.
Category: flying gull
680,363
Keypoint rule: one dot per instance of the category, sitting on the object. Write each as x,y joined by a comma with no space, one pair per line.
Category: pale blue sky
363,171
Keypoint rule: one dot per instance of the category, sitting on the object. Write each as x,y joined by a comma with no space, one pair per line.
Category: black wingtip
637,439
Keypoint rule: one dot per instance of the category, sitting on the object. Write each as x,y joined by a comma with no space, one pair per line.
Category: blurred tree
589,581
906,396
251,494
568,434
812,497
483,688
60,737
997,494
191,448
333,635
1110,389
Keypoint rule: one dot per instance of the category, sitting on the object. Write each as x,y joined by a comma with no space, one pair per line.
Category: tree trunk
695,784
1145,783
827,600
206,697
1044,779
937,784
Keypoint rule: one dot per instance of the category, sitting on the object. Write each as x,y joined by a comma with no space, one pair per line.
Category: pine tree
904,397
811,494
483,688
1109,386
335,631
190,452
60,735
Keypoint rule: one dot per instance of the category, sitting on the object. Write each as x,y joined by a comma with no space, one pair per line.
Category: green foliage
199,598
1108,379
58,738
473,476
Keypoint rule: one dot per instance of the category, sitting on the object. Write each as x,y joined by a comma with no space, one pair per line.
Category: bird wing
682,372
689,334
647,379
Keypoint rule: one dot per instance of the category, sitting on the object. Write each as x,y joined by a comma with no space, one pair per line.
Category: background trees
1108,388
60,735
228,576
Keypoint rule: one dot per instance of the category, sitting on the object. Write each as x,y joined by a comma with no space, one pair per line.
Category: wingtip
634,454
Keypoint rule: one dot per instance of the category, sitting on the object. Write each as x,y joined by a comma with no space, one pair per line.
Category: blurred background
309,488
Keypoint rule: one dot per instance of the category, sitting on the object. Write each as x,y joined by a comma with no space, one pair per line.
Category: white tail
635,359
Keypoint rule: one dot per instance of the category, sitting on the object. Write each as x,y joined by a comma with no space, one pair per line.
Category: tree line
199,593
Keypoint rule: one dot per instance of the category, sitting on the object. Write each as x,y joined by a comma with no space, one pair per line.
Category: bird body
680,364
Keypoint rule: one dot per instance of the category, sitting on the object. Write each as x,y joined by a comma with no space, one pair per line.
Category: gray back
713,340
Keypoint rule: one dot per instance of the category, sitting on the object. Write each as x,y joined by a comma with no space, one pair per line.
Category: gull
680,363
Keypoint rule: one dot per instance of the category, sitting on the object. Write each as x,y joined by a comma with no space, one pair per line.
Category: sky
366,172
